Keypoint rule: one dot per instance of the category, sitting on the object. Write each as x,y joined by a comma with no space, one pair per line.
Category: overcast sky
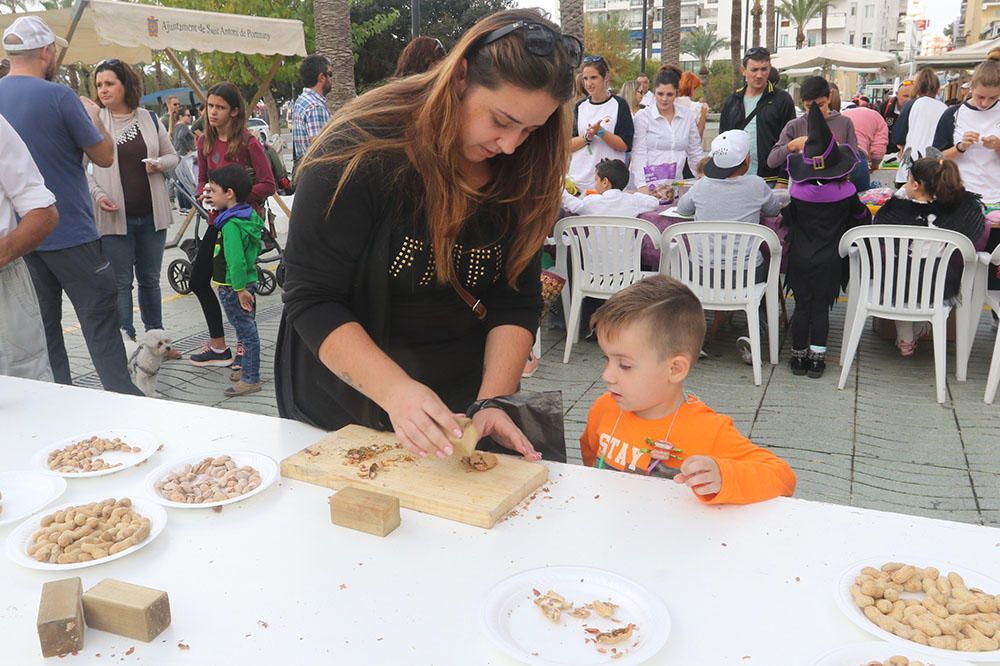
940,12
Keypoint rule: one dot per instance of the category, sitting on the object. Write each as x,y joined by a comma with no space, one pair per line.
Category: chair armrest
984,258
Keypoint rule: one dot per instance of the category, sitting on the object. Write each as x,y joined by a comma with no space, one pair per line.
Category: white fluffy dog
145,357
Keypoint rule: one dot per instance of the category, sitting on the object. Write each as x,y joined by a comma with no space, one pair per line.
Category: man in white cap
728,192
58,129
23,351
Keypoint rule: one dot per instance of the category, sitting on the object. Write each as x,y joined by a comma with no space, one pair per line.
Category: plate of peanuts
97,453
943,610
81,535
879,653
211,479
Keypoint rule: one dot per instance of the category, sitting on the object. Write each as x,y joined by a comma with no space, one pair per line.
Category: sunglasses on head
540,40
907,82
756,53
111,62
439,47
592,59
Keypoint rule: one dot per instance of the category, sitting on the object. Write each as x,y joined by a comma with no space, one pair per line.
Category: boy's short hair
813,88
232,177
615,171
672,312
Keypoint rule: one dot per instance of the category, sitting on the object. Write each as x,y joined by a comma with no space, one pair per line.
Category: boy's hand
246,300
701,474
797,144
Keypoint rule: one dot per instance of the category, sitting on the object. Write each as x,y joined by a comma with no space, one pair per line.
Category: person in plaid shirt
310,113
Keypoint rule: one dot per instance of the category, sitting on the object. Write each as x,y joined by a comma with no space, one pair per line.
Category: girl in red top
225,141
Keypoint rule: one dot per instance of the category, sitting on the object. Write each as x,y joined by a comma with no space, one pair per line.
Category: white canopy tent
829,55
963,58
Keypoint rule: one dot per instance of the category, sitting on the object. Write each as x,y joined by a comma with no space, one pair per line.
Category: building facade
869,24
980,20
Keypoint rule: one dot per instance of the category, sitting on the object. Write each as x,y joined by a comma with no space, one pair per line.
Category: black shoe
799,365
816,367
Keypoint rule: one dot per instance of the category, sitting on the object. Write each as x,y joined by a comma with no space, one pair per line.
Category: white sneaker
746,352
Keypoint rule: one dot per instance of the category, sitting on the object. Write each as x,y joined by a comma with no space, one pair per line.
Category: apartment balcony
834,21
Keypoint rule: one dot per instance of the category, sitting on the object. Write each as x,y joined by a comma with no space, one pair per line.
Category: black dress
367,260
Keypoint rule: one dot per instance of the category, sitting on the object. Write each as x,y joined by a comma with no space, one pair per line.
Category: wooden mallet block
364,510
60,617
466,444
128,610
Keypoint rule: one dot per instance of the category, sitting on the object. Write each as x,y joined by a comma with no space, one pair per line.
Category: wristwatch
959,149
479,405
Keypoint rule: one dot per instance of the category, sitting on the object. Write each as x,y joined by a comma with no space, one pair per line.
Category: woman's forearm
351,354
614,141
507,350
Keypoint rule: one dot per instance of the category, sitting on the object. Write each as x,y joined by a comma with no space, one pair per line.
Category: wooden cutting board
438,486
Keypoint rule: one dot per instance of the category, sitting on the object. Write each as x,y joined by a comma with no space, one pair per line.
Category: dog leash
133,361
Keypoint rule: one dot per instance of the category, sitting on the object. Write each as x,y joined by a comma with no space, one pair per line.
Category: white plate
25,492
20,538
266,465
513,621
147,441
671,212
842,593
859,654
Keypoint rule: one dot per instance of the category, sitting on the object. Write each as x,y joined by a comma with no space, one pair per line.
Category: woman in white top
602,124
665,134
914,130
969,134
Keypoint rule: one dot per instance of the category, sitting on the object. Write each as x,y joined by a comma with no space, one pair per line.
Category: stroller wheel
279,274
179,276
266,282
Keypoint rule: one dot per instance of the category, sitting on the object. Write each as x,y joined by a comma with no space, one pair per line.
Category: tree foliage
801,12
702,44
610,39
719,85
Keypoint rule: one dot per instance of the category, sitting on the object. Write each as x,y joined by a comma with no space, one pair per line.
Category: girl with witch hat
824,204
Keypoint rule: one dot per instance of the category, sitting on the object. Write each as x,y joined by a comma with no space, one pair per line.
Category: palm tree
801,12
735,28
333,40
823,19
772,38
571,16
756,13
670,32
702,44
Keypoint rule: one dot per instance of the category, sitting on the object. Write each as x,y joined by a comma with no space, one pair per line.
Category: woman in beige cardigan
131,203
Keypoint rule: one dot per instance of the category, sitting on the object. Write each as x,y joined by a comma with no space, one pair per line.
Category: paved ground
882,443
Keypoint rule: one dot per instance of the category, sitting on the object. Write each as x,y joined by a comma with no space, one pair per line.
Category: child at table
650,334
824,205
611,177
235,265
729,193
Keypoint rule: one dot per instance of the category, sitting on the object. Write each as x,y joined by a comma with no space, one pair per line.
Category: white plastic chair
718,262
981,296
906,283
605,259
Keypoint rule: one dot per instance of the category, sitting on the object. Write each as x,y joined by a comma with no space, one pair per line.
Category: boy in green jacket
235,267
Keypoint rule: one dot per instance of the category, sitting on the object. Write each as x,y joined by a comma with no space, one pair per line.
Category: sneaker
241,388
235,375
208,357
745,348
238,357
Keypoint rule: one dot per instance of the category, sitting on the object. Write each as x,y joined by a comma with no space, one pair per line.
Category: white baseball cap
729,151
28,33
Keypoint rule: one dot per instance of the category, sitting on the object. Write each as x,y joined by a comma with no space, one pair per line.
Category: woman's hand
421,420
991,142
494,422
107,205
970,138
153,167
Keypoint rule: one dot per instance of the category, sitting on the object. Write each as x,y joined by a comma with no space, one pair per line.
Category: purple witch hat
821,158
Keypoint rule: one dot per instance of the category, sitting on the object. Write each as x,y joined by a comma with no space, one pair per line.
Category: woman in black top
423,193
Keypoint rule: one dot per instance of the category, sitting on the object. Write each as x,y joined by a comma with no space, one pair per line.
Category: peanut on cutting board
211,480
88,532
939,611
84,456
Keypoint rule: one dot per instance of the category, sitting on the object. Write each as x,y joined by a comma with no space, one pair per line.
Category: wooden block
466,444
60,617
364,510
128,610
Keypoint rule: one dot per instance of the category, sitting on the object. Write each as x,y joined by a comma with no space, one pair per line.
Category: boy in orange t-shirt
650,333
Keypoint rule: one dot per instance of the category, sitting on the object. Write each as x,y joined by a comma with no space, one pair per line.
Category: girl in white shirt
602,124
664,133
915,128
969,134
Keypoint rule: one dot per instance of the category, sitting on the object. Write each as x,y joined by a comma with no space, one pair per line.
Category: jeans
22,337
88,280
245,324
138,252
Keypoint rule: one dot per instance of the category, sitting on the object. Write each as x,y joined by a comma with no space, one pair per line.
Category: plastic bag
540,418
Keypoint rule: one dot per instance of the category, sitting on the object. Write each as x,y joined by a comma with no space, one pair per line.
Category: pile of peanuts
896,661
211,480
88,532
82,456
949,615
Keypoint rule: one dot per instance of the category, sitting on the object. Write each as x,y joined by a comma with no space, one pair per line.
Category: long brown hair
419,55
420,117
237,124
926,83
940,178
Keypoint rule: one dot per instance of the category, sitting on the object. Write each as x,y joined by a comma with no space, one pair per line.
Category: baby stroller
179,270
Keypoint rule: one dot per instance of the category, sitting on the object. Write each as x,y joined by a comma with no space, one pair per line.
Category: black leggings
201,282
810,322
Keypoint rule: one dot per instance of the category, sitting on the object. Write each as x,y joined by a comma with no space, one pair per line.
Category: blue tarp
159,98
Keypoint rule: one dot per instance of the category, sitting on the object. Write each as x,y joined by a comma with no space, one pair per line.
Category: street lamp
642,53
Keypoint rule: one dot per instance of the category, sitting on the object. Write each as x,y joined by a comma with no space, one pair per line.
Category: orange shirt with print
749,473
